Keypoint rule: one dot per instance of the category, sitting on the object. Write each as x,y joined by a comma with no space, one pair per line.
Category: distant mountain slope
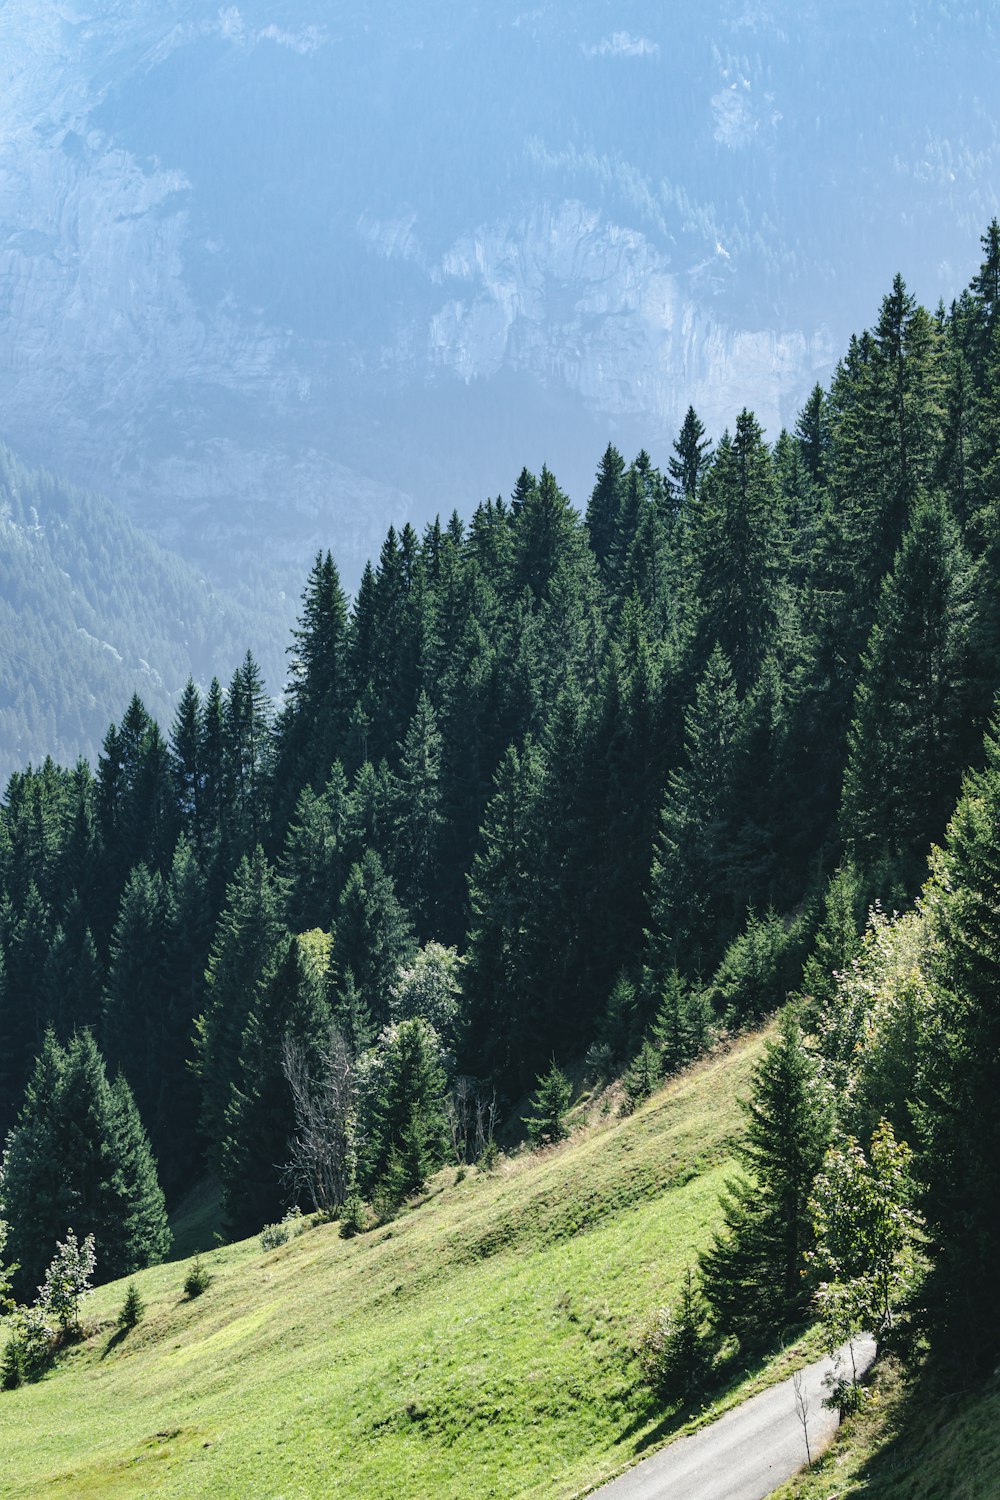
92,610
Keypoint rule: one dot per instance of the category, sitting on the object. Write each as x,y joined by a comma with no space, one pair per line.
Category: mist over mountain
278,273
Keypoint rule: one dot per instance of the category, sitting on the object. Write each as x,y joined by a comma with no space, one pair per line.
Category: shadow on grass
118,1337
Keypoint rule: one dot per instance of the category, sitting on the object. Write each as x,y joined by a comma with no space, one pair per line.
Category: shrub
132,1309
31,1346
273,1235
197,1280
295,1221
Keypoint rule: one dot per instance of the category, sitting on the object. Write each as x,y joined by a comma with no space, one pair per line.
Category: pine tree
185,757
260,1117
373,936
186,940
24,999
506,1010
691,456
246,939
553,1094
78,1155
753,1273
420,819
911,731
691,911
134,1023
961,1160
248,746
604,506
738,544
313,723
548,532
401,1109
314,863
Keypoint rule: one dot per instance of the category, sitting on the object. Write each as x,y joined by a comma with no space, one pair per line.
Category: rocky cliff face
275,274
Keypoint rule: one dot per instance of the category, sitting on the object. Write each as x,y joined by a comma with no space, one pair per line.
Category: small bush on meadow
354,1220
31,1346
273,1235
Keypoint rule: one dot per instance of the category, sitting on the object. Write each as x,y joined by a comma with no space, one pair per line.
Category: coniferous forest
559,791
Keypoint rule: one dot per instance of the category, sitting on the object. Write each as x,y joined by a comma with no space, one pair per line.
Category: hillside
481,1344
93,610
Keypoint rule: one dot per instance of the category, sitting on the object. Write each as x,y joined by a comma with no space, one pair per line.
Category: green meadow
483,1343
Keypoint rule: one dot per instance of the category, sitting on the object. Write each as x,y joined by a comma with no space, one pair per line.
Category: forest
560,791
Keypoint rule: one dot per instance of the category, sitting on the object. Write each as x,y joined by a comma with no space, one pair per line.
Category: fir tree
78,1154
753,1274
246,940
260,1117
373,936
546,1123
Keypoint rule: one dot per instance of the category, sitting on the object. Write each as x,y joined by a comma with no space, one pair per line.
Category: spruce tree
691,910
134,1023
260,1118
753,1275
79,1156
373,936
553,1094
738,543
246,939
911,731
604,506
691,456
961,1075
401,1109
420,819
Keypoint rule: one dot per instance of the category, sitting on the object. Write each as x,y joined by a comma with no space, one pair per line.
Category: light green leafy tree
866,1235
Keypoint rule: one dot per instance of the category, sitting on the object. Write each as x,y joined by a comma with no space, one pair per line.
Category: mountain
278,273
92,611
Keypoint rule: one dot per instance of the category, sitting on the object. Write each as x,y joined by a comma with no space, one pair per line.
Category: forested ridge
555,786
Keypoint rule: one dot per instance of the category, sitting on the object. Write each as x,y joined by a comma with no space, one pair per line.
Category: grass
480,1344
911,1442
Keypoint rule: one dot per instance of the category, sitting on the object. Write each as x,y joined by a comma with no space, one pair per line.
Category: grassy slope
911,1446
478,1345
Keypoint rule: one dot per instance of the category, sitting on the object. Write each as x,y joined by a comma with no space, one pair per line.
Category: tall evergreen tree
961,1074
78,1156
260,1117
912,728
373,935
690,458
134,1024
738,542
753,1276
246,940
420,820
